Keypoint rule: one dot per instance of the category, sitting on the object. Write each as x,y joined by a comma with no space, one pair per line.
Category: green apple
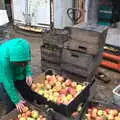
29,118
35,114
100,112
41,92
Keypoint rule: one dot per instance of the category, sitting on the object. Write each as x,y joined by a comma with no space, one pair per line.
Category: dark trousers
22,88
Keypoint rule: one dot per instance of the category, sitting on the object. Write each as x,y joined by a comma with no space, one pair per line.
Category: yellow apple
79,88
41,92
35,114
22,118
69,97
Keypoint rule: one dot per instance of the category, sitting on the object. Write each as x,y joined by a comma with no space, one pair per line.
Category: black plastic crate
49,65
57,116
51,53
99,105
67,110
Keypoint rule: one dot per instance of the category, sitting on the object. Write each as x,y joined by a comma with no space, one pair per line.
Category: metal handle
71,14
50,72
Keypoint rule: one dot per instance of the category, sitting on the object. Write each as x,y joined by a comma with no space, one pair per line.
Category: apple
33,86
100,112
107,110
44,119
99,118
51,83
47,86
117,118
88,116
110,117
59,100
19,115
72,91
41,92
69,97
23,115
36,90
30,118
25,109
68,82
60,79
94,113
89,110
63,91
58,84
28,113
22,118
114,112
65,101
119,114
35,114
74,84
79,88
54,99
55,94
48,77
46,82
63,85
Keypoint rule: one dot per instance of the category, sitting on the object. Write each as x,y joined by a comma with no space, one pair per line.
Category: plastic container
14,114
116,95
99,105
49,65
63,109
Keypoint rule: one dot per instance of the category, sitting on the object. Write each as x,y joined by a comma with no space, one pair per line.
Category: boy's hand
20,106
29,80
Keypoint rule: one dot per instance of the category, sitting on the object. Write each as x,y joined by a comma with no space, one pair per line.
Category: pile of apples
55,88
28,114
99,114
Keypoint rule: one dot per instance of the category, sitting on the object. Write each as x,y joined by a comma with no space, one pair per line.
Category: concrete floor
102,91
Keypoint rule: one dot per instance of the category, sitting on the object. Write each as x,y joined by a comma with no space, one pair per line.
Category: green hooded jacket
14,50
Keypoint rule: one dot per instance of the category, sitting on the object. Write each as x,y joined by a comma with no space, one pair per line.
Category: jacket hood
19,50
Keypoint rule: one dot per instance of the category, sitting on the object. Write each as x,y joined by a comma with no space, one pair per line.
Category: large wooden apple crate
63,109
14,114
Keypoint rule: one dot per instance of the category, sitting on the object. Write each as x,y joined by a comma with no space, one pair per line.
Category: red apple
89,110
94,113
99,118
28,113
60,79
72,91
59,100
68,82
63,91
107,110
49,78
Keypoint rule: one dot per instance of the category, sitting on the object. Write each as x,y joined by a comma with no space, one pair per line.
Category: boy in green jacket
15,73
